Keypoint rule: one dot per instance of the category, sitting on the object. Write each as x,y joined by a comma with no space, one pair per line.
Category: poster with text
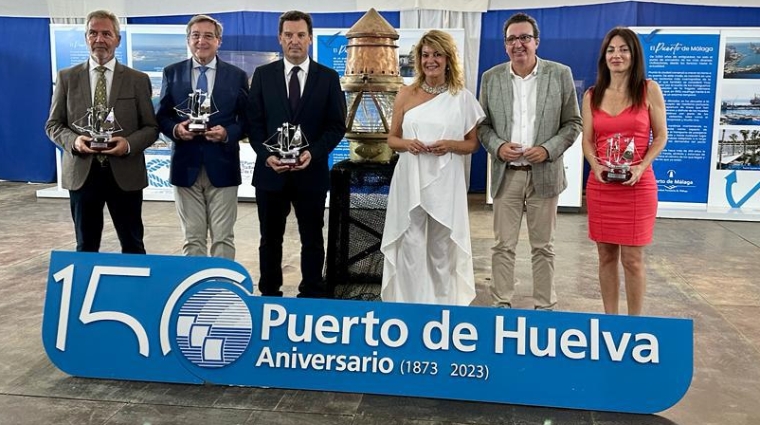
685,66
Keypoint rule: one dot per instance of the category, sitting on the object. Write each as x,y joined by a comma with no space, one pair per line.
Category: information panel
710,77
685,67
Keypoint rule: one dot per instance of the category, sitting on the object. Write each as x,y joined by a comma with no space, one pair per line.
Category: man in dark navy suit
205,167
299,91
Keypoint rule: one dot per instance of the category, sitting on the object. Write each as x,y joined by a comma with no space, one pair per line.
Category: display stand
358,201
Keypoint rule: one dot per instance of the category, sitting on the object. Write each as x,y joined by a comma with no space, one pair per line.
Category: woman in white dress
426,240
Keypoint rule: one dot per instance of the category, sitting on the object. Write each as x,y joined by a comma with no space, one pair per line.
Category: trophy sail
618,161
100,123
287,143
198,108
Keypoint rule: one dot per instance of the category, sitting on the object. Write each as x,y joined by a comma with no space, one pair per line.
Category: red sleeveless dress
618,214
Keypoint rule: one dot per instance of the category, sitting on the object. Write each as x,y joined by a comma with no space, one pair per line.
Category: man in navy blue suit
205,167
314,101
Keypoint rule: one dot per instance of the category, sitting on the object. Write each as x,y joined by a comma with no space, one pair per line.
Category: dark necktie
294,89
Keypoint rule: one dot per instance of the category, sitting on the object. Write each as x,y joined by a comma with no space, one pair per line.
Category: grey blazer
131,99
558,122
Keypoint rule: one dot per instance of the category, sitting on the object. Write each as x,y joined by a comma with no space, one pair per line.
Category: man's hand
216,134
274,163
303,161
509,152
182,133
121,148
80,144
536,154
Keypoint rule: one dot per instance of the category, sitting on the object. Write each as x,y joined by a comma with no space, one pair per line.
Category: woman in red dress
620,113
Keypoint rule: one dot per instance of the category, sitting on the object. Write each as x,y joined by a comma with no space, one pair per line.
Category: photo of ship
740,103
742,59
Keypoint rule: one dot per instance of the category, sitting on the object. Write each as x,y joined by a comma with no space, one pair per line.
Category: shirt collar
210,65
532,73
110,65
304,66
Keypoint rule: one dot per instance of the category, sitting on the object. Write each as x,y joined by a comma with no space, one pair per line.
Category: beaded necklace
434,90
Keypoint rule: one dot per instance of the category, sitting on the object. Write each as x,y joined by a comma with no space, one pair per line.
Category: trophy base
290,160
100,144
197,127
616,176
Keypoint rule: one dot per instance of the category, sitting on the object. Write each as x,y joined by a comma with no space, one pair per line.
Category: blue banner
196,320
332,53
685,66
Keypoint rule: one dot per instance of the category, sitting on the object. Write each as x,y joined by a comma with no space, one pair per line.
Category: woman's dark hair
637,79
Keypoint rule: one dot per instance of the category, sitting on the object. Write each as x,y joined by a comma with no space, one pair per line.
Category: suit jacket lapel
118,70
280,84
505,86
85,91
185,79
542,89
219,75
311,81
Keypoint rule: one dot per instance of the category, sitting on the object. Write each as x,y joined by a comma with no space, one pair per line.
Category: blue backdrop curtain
571,35
257,31
25,85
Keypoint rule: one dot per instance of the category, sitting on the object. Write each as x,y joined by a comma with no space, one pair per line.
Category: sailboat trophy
100,123
618,161
198,108
287,143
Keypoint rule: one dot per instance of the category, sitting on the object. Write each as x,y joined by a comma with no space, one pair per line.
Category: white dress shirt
210,74
301,75
94,75
524,111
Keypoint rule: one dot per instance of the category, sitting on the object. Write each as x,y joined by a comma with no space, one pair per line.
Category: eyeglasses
205,36
524,39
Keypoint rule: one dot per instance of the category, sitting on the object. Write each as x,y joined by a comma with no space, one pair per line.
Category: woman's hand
598,171
441,147
415,147
636,172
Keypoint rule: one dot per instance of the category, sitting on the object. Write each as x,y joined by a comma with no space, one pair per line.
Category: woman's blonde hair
441,42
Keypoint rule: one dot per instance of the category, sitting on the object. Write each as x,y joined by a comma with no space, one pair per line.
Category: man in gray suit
116,176
532,117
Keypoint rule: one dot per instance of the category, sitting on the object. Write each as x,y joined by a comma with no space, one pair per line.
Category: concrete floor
704,270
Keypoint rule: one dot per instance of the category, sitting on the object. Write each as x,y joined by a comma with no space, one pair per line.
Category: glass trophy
198,108
100,123
287,143
619,158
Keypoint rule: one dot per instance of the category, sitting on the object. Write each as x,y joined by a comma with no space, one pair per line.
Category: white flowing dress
426,240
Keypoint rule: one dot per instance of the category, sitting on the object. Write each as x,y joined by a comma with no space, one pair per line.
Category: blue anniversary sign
196,320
